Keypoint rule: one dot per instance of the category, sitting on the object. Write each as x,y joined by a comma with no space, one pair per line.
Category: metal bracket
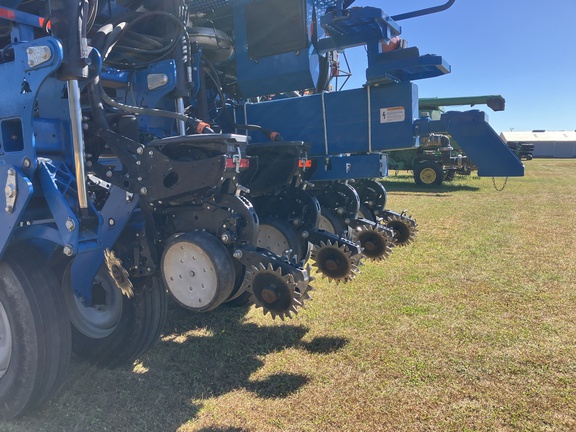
11,190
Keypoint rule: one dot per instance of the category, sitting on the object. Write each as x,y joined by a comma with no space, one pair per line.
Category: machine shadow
199,357
408,185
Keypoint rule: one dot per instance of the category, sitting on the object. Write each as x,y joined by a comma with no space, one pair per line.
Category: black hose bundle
123,45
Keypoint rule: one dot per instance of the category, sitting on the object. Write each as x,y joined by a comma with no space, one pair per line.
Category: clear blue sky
524,50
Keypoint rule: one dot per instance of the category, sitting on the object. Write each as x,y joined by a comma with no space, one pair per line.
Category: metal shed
553,144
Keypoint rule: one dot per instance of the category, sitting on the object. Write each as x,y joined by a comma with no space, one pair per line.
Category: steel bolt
68,250
26,162
111,222
340,210
11,171
305,234
225,237
108,174
347,221
70,225
237,254
143,191
9,209
140,150
10,191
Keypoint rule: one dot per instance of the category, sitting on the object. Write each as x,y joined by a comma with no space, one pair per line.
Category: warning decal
392,115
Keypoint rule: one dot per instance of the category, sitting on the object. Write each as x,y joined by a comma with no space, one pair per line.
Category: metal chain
496,187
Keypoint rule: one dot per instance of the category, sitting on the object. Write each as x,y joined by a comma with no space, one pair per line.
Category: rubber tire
40,329
142,320
242,300
428,165
331,222
289,234
217,253
366,213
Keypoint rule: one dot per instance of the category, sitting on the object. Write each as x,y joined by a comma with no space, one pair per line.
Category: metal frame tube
77,141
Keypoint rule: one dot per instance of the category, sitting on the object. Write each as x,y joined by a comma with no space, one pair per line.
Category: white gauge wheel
190,275
198,270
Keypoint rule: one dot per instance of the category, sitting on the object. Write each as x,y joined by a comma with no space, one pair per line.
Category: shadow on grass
405,183
200,357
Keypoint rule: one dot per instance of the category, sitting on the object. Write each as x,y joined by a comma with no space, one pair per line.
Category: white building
559,144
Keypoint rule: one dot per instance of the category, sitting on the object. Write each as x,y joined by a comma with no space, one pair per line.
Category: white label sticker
392,115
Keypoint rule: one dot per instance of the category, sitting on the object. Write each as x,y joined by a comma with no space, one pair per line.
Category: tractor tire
119,330
35,341
278,236
428,173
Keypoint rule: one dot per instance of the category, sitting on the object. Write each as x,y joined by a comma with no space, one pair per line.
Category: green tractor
439,158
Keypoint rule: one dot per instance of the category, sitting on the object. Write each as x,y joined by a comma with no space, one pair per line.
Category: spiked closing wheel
274,292
376,243
404,228
335,261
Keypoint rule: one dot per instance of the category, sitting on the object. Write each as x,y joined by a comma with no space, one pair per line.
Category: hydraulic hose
422,12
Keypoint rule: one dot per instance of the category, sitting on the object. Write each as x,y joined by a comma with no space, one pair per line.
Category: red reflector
244,163
41,21
308,164
7,13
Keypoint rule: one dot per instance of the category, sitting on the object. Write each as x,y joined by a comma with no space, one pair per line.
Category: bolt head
10,191
237,254
70,225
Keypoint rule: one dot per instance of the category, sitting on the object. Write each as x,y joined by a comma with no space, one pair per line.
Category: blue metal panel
297,119
342,122
19,92
350,167
355,27
481,143
275,73
404,65
10,220
140,94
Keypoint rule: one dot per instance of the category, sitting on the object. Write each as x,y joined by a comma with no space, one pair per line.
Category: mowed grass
471,328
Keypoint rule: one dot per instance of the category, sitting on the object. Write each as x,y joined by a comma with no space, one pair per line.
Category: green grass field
471,328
